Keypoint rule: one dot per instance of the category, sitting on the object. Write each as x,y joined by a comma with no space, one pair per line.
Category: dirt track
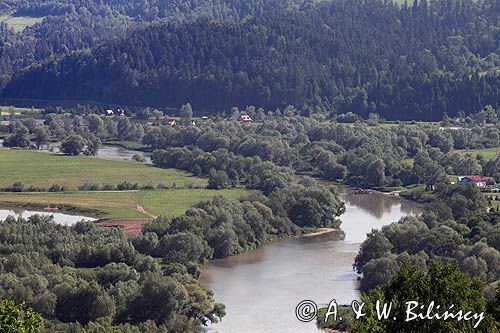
128,226
132,226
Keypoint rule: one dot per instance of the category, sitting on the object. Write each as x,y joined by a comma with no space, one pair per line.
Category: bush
127,186
108,187
139,158
56,188
16,187
89,187
161,186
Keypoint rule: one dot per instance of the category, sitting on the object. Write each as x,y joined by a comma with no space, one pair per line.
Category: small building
120,112
478,180
244,118
109,112
171,122
4,125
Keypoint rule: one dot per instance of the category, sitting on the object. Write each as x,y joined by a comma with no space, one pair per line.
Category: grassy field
488,153
44,169
19,23
117,205
495,204
8,110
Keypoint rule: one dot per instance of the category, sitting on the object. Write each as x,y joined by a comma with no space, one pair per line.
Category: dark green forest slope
72,25
403,62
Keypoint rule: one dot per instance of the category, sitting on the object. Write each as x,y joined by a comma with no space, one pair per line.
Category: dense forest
416,61
69,26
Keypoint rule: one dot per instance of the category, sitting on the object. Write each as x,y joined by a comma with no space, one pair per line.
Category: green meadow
45,169
19,23
118,205
9,110
487,153
40,169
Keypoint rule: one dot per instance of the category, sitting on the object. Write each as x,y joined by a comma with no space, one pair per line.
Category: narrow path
129,226
143,211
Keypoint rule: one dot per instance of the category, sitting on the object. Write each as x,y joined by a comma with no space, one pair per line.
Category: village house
244,118
171,122
480,182
109,112
4,125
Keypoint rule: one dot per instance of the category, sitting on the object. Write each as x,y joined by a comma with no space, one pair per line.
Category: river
108,152
261,288
59,218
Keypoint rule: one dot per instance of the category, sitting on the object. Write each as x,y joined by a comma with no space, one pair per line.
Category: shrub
161,186
56,188
16,187
89,187
139,158
127,186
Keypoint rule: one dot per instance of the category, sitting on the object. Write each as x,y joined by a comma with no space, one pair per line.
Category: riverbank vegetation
448,255
85,276
42,269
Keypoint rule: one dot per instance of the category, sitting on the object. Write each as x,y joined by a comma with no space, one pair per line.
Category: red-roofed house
478,180
171,122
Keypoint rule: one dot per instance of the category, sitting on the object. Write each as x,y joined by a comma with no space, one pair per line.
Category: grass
495,203
44,169
8,110
175,202
487,153
116,205
19,23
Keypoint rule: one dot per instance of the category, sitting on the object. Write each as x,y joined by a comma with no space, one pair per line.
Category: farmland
122,205
19,23
487,153
45,169
42,170
9,110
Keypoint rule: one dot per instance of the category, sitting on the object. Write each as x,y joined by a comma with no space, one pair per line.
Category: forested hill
404,62
66,26
152,10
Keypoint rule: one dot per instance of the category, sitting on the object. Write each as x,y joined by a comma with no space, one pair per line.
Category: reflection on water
119,153
105,152
59,218
262,287
379,207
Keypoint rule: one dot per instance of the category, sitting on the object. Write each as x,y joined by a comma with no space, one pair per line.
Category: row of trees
77,134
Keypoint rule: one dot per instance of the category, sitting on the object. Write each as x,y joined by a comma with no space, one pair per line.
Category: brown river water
261,288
